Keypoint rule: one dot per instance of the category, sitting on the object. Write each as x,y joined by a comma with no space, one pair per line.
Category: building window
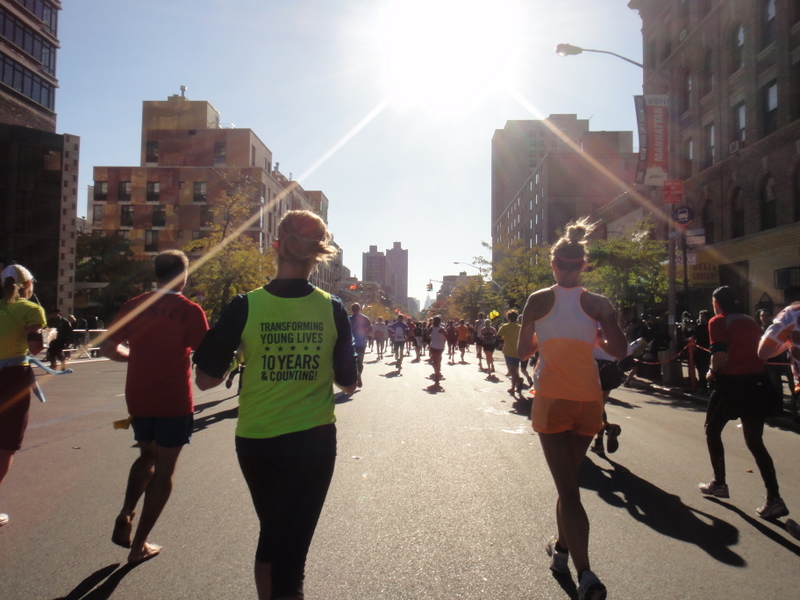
688,158
769,212
100,191
97,214
666,49
708,221
206,217
737,213
151,152
711,148
768,23
126,216
708,73
153,191
770,99
686,92
739,122
737,49
159,216
125,234
26,82
199,191
151,240
198,235
220,153
796,191
124,191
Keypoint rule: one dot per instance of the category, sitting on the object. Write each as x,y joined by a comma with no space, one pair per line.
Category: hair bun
576,233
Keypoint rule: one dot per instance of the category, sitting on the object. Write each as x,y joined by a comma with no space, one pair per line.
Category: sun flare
447,54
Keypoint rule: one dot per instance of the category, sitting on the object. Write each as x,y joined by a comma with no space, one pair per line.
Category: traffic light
430,287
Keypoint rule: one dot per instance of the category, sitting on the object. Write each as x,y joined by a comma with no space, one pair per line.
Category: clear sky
387,106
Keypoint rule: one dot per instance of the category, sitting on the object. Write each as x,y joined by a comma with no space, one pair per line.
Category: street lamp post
672,373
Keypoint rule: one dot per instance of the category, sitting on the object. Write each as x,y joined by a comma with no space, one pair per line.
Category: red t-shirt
738,335
161,338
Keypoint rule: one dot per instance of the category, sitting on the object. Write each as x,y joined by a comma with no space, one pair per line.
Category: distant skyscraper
373,266
397,272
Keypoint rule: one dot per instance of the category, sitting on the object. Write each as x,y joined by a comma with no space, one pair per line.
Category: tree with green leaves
628,269
231,259
108,259
520,270
473,296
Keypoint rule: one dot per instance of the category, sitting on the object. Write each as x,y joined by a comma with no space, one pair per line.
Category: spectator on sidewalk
702,355
57,345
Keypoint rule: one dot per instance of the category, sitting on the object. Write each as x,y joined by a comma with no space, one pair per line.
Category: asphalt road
436,496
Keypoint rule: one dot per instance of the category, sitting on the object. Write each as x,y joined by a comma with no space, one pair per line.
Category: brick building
569,181
188,161
732,71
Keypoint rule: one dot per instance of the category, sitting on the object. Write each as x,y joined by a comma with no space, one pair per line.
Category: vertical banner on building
652,118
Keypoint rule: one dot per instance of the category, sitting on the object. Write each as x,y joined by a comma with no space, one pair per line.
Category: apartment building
38,167
731,69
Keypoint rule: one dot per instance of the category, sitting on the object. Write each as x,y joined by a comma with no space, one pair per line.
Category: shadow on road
662,511
204,422
761,526
100,584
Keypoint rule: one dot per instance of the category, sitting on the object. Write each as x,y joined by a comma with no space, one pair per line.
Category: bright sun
446,55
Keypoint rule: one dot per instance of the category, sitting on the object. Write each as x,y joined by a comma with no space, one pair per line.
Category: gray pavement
436,496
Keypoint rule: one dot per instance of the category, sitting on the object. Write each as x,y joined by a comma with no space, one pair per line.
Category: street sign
673,191
684,216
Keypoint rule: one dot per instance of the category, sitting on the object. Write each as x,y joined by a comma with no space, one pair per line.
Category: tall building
565,184
520,146
188,162
731,69
38,167
397,273
373,267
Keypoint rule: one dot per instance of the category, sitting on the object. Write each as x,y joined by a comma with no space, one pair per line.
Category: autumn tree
232,260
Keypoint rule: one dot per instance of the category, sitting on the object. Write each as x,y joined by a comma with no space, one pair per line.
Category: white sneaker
4,519
560,560
590,587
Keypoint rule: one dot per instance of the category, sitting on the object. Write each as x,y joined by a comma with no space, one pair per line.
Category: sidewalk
784,420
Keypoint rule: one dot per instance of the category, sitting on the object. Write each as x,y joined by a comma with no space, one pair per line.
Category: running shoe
612,431
793,528
590,587
597,447
773,508
560,560
4,519
718,490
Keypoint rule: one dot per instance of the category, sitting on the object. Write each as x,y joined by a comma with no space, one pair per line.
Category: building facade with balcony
732,72
38,167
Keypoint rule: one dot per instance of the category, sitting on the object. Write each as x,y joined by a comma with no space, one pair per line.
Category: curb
784,420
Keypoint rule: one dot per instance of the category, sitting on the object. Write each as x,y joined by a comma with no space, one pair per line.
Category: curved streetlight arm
499,287
570,50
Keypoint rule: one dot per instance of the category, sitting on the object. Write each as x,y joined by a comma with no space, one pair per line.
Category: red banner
652,114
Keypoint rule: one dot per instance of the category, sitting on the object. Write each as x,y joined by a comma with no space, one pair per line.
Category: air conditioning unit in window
734,147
